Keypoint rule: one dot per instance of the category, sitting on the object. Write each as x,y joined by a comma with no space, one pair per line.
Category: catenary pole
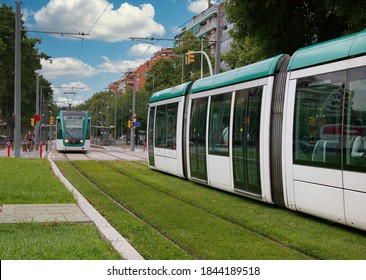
132,141
17,80
37,112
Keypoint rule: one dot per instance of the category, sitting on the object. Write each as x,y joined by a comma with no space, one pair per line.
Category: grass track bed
203,235
210,224
304,233
149,243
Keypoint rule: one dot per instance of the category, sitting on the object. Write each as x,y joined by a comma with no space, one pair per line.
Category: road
102,153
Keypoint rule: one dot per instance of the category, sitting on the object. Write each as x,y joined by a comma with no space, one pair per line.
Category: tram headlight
67,140
81,141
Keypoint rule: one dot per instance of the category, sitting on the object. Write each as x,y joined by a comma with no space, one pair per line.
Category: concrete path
24,213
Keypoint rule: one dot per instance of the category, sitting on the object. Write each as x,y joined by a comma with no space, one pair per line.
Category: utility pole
132,141
17,80
37,112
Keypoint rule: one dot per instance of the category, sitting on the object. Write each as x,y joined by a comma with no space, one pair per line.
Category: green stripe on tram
333,50
250,72
170,93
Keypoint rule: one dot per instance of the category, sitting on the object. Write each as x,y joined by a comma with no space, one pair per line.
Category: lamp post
132,142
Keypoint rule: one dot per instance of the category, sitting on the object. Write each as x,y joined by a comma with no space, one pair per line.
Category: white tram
73,131
287,130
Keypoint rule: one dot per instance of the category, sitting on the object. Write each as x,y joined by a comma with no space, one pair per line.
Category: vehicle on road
73,131
282,131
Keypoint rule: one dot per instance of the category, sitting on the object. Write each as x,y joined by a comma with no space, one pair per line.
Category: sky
88,64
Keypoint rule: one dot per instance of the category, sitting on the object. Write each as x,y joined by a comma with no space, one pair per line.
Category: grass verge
32,181
53,241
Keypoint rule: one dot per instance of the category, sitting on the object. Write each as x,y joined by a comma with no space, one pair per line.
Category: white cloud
145,50
70,93
113,26
67,68
197,6
116,66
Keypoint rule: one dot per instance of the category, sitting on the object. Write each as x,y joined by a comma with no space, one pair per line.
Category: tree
243,51
281,26
30,62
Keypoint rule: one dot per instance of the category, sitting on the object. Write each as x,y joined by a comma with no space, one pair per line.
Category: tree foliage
282,26
30,62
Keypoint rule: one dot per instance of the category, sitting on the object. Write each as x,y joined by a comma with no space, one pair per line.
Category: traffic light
32,121
190,57
52,121
129,124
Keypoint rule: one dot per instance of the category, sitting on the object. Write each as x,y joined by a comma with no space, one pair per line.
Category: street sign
136,124
37,118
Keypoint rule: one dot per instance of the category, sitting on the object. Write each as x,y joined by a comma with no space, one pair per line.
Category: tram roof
250,72
336,49
168,93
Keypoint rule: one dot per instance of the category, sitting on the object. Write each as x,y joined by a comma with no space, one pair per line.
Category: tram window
219,125
166,126
355,120
318,120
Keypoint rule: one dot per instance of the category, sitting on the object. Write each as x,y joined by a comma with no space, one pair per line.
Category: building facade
213,25
141,73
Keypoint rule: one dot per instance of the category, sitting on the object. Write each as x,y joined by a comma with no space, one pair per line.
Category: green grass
30,181
203,235
312,236
145,240
53,241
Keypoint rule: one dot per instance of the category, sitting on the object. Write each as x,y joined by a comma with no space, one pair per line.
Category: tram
288,130
73,131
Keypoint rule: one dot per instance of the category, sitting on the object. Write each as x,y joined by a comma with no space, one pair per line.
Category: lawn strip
30,181
53,241
204,235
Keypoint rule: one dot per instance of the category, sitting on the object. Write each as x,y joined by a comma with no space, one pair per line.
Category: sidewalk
32,154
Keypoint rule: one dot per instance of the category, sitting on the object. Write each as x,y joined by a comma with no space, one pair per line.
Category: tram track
104,163
130,176
122,207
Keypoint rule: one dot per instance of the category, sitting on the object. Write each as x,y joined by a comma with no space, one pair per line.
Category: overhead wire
82,44
160,39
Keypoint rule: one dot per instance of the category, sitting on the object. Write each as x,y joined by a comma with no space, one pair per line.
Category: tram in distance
287,130
73,131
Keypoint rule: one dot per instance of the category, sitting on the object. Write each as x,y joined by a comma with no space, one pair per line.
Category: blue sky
101,58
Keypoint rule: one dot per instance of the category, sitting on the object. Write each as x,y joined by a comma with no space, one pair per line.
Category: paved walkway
21,213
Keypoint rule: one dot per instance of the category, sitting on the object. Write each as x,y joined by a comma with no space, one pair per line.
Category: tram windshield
74,127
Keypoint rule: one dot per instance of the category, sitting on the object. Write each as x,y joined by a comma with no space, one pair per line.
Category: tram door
246,165
197,139
150,139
